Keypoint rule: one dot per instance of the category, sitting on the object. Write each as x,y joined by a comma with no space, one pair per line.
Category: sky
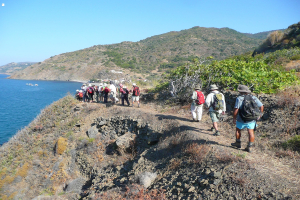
34,30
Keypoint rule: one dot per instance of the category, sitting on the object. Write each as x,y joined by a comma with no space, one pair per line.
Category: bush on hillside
228,74
293,143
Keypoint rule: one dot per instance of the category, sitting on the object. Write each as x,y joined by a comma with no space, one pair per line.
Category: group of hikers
247,110
103,92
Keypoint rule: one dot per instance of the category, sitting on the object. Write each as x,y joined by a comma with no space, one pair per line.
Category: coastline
76,81
6,74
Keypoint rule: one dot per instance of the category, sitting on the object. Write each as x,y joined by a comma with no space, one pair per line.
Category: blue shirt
238,105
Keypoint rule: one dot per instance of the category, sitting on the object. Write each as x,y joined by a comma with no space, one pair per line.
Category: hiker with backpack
83,88
247,110
101,93
79,95
96,88
105,91
113,92
197,104
90,92
124,94
215,101
135,94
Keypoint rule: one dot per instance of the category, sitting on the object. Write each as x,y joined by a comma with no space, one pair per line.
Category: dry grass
275,37
226,157
289,97
61,145
23,170
197,152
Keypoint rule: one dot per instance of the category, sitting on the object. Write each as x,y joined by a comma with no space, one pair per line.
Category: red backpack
136,91
90,90
106,90
80,94
200,98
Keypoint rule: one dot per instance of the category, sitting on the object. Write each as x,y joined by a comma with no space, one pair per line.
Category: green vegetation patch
262,73
292,144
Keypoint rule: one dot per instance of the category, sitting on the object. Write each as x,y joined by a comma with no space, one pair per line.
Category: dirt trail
262,161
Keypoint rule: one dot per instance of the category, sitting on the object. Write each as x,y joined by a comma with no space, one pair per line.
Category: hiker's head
133,84
213,87
243,89
120,85
90,85
111,82
198,87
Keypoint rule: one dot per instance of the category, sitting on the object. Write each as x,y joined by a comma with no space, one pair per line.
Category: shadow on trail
161,116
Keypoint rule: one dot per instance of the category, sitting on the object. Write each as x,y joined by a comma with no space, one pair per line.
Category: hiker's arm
224,105
262,111
194,96
235,113
207,101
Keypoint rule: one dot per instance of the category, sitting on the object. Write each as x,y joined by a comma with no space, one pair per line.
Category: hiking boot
236,144
248,148
193,120
212,129
217,133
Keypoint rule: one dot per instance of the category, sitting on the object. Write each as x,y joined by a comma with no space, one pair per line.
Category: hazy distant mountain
148,57
13,67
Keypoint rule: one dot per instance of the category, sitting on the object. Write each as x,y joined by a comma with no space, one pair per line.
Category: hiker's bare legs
238,134
215,125
251,135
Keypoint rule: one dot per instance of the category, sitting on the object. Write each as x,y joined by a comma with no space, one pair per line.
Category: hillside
280,40
79,150
146,58
261,35
13,67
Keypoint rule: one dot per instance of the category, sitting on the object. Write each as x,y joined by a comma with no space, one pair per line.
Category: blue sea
21,103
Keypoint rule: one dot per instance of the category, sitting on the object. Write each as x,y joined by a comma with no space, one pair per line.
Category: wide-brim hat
213,87
133,84
243,88
197,87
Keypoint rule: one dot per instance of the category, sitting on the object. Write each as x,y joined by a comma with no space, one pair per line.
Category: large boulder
92,132
124,141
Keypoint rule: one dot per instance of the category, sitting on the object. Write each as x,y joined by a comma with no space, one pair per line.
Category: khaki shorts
135,98
215,116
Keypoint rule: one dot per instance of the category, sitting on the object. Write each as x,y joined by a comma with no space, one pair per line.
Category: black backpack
249,110
126,91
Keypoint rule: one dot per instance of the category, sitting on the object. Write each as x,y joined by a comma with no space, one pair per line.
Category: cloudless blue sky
34,30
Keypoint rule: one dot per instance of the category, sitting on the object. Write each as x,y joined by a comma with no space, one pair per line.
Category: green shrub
293,143
295,57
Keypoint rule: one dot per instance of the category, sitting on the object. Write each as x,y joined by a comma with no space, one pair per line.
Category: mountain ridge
150,56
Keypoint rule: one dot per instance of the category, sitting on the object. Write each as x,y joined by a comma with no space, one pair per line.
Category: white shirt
210,98
113,88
